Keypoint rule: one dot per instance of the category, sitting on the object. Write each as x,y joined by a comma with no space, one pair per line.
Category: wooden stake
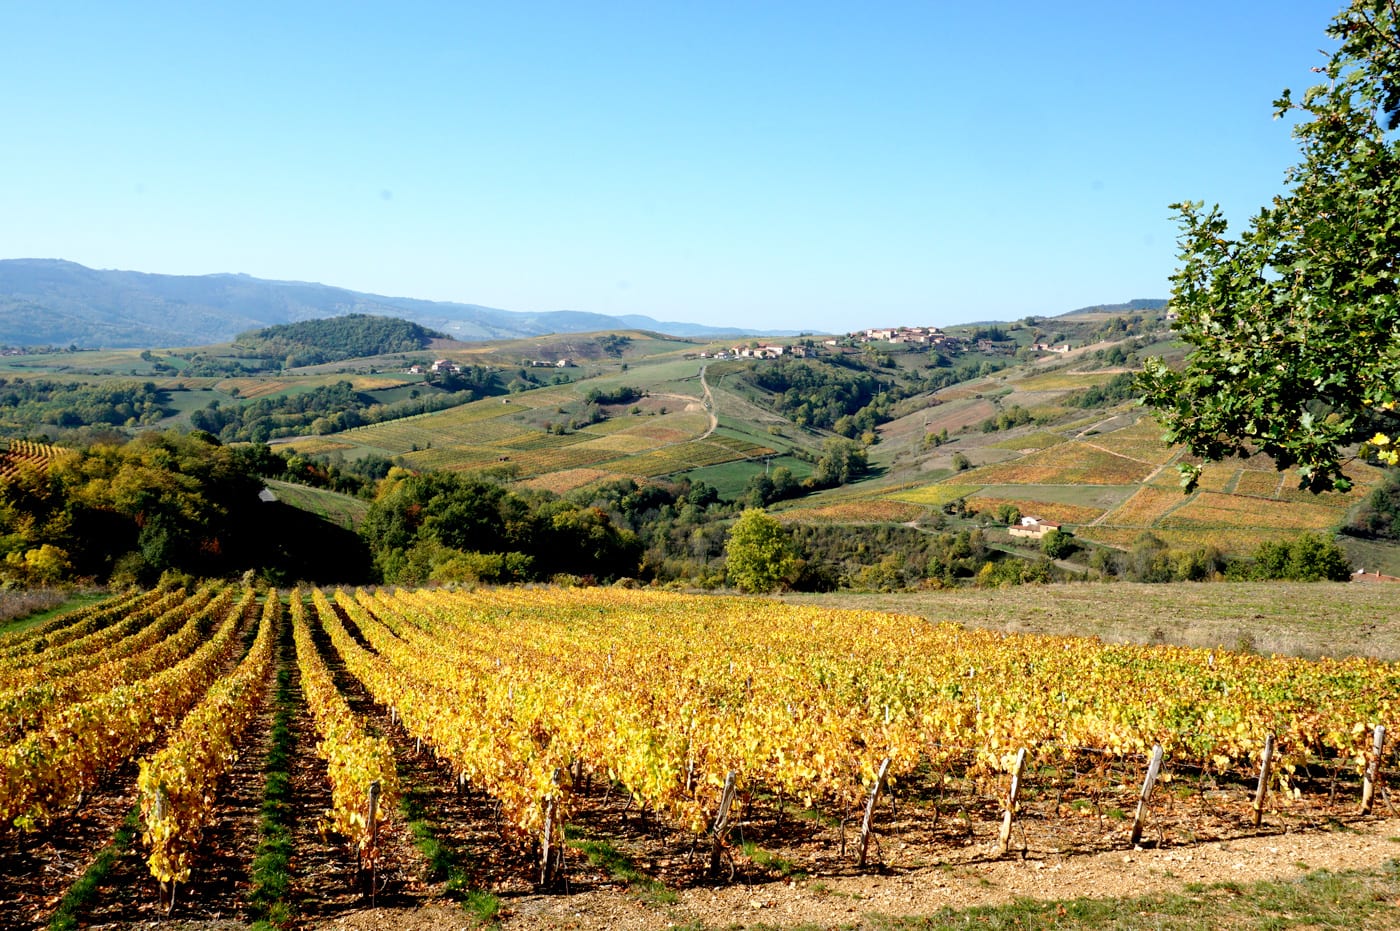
1263,788
373,820
721,825
1373,770
1004,841
870,809
1147,785
548,852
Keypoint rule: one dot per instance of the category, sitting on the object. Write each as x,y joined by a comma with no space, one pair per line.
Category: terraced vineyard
700,712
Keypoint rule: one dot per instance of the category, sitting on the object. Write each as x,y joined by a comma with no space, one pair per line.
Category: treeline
852,395
29,403
440,526
335,339
328,409
165,502
1309,557
622,394
826,395
1378,517
126,513
841,462
1120,387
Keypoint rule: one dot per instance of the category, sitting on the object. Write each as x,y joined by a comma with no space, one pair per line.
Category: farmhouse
1032,527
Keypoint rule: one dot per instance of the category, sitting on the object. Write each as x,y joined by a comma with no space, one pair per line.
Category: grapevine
176,785
51,766
355,760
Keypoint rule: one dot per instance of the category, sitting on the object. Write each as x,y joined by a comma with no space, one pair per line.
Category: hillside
50,302
893,463
1051,440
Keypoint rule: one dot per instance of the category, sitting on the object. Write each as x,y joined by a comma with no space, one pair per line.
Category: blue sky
820,166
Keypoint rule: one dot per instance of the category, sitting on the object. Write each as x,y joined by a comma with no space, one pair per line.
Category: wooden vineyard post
159,816
870,809
1004,841
549,853
1263,788
1147,784
373,815
372,822
1373,770
726,799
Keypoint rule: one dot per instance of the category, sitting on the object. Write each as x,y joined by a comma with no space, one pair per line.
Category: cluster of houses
925,335
758,352
439,365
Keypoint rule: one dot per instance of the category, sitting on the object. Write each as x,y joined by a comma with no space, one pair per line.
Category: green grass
620,867
82,893
345,510
71,603
772,861
444,861
730,478
1356,899
271,879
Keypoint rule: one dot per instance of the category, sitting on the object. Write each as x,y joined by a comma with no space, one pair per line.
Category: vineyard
23,454
705,731
528,434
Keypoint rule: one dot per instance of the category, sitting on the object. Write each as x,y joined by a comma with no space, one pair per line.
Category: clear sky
796,165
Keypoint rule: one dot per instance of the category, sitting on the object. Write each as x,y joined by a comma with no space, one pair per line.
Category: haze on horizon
823,167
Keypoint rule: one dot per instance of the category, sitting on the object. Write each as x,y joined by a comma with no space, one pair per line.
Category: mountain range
52,302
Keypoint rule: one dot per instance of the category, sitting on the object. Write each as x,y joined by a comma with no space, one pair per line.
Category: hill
892,462
50,302
1062,438
335,339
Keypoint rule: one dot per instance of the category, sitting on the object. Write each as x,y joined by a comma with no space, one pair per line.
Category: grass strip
445,862
82,893
1353,899
772,861
619,866
271,879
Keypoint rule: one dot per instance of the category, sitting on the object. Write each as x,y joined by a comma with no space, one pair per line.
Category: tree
1057,544
758,554
1295,324
842,461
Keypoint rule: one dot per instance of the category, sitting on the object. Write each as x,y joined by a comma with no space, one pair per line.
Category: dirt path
953,883
707,403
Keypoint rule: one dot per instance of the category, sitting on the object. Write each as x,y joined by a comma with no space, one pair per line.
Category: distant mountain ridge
57,302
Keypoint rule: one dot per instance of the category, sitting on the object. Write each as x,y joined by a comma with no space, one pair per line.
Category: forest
335,339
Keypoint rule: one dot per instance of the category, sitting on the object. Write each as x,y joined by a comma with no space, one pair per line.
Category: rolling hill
50,302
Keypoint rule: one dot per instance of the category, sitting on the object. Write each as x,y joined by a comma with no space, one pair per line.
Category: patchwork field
1114,480
527,433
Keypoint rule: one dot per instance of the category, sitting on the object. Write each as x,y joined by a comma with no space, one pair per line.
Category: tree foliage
437,525
1309,557
333,339
759,554
1295,323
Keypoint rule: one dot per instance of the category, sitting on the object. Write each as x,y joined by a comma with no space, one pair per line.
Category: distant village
914,335
930,336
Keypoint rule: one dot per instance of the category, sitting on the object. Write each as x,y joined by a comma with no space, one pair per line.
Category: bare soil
782,867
